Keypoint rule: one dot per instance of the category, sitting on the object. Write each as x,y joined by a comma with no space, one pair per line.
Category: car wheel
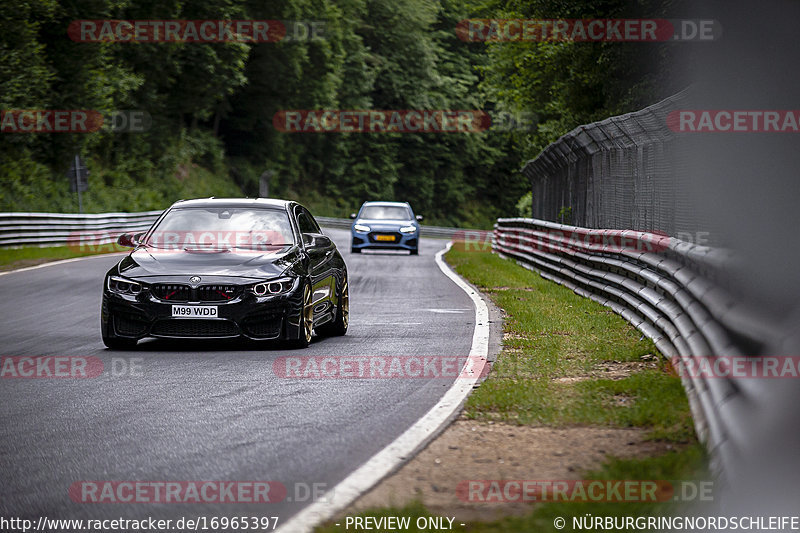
338,327
415,251
306,320
355,250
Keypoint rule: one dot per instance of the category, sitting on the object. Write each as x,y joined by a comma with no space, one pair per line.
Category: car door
321,267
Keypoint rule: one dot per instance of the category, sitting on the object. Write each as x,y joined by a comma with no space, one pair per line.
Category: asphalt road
204,411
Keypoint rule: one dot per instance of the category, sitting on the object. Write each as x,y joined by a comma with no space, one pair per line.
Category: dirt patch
620,370
470,450
574,379
613,370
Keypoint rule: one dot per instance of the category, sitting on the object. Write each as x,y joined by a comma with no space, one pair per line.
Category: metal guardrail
672,291
54,229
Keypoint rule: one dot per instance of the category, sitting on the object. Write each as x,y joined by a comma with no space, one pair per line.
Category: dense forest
211,106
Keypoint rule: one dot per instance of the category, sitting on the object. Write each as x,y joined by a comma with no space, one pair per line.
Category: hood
382,224
147,261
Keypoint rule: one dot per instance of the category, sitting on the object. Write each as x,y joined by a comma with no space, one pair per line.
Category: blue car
385,226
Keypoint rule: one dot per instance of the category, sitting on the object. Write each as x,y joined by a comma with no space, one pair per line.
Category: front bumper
373,240
246,316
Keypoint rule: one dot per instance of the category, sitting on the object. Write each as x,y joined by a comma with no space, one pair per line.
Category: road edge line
385,461
57,262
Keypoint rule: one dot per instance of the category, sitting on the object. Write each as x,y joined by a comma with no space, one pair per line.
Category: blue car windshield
386,212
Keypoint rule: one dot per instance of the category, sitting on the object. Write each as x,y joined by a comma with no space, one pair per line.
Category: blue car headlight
408,229
361,228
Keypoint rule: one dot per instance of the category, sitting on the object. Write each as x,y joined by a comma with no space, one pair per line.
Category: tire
338,327
355,250
415,251
306,320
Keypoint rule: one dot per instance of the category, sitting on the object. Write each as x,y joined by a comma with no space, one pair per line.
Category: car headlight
121,285
272,287
361,227
408,229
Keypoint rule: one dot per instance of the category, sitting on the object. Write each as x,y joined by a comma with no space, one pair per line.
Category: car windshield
222,227
386,212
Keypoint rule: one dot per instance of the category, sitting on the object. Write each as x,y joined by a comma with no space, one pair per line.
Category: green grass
557,347
556,350
11,259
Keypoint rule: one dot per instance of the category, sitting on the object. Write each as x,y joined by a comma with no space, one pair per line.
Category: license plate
195,311
384,238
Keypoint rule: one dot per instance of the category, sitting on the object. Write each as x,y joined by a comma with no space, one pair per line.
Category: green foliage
212,105
565,215
525,205
572,83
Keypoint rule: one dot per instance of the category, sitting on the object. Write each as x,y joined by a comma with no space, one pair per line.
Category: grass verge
11,259
568,361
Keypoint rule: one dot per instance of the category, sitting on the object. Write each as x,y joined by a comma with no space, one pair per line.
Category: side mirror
419,218
128,240
353,215
317,240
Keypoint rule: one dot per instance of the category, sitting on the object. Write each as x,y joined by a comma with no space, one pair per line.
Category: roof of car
403,204
239,202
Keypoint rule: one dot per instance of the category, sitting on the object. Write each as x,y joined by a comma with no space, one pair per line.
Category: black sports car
225,268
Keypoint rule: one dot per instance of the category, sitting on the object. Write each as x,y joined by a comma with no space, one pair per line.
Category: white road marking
60,262
388,324
386,460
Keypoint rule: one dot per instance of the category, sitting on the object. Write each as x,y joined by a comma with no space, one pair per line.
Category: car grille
263,326
373,237
129,325
183,327
218,293
204,293
171,293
